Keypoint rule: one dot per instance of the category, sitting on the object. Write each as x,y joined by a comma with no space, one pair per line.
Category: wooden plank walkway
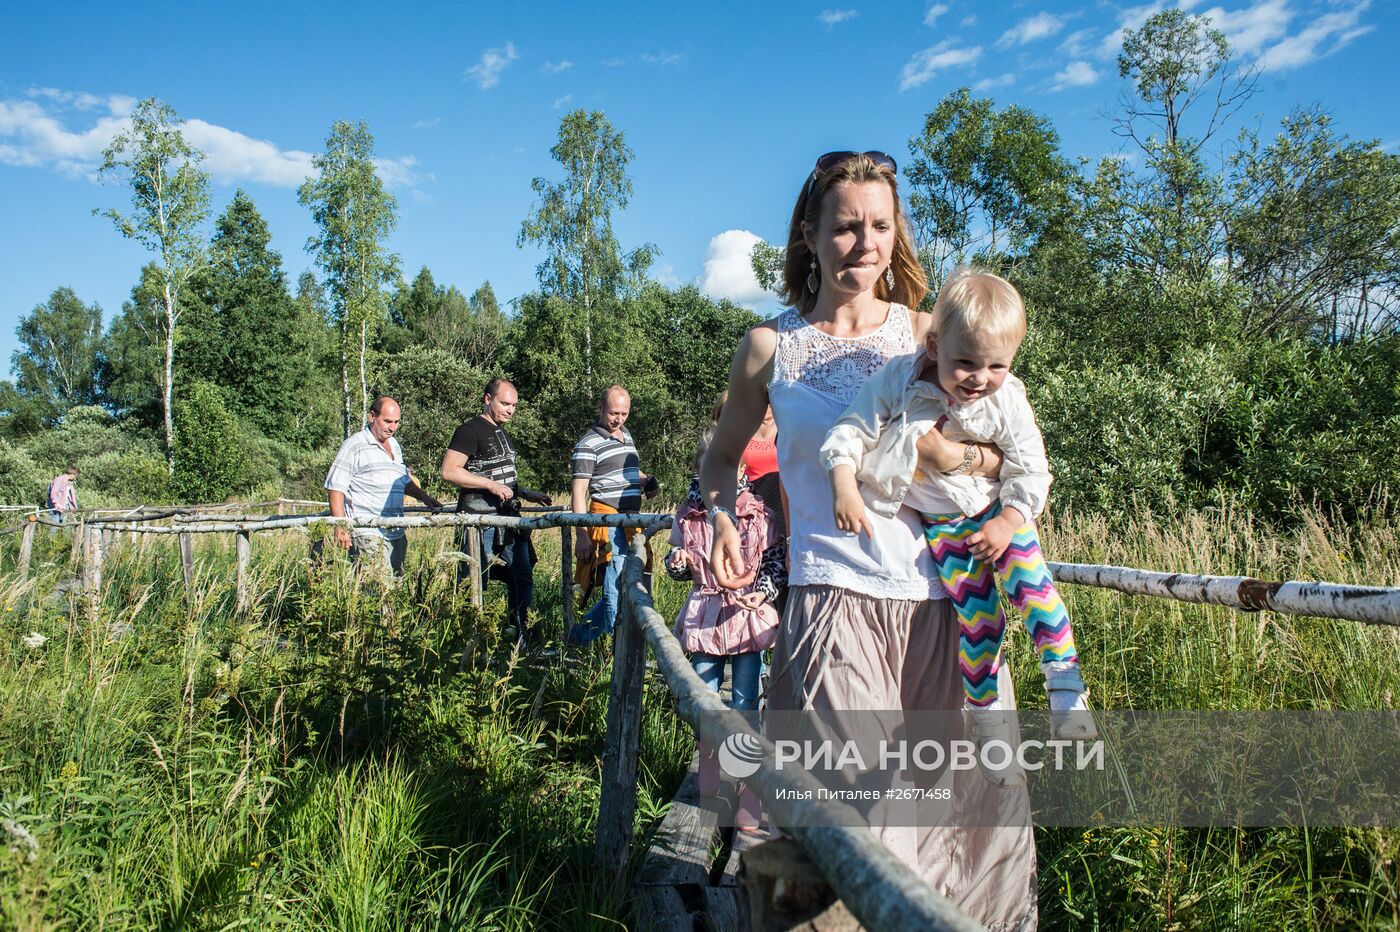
688,880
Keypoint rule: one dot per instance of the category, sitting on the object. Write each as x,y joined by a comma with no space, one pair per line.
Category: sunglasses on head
826,163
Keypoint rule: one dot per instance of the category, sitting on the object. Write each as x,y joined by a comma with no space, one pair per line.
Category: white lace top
815,376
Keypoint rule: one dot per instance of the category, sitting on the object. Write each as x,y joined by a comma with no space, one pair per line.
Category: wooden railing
877,888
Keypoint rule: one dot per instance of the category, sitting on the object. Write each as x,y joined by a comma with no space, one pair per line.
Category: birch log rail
1370,604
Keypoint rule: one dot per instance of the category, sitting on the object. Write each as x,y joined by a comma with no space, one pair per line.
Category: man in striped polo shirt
607,478
369,479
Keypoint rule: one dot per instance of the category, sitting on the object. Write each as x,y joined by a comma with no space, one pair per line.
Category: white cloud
987,84
935,11
487,72
614,62
1039,26
1324,36
561,102
427,123
33,135
1078,44
231,155
968,21
556,67
1075,74
924,65
1250,29
663,58
729,269
830,18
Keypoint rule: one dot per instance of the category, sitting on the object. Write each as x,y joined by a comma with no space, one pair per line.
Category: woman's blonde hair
910,282
976,302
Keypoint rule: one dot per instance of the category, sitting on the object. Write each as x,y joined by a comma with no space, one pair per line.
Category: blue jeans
602,617
518,572
743,676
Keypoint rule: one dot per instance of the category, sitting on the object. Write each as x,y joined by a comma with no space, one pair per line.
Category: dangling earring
889,277
813,282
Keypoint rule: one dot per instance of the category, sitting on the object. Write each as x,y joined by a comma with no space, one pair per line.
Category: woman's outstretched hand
727,557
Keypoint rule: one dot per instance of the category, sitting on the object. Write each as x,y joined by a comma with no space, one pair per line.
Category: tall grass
327,759
340,757
1144,653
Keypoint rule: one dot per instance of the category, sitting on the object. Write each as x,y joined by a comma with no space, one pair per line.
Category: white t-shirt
371,480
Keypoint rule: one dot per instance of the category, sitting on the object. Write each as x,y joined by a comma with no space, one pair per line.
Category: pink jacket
711,621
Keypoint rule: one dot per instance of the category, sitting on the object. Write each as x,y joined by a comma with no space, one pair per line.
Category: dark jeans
516,570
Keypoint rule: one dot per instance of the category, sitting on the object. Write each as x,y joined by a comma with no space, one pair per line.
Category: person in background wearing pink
718,626
63,496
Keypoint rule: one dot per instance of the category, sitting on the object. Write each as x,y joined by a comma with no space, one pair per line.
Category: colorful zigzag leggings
973,589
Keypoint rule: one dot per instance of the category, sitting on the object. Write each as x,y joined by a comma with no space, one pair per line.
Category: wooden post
245,559
785,890
618,803
187,559
75,553
92,563
26,547
281,507
476,563
566,568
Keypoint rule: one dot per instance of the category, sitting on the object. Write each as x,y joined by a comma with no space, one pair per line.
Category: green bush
437,392
212,460
131,477
22,482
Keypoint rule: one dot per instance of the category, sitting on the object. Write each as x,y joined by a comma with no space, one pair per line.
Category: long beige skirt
841,650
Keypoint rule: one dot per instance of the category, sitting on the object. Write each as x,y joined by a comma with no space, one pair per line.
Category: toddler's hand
849,511
991,542
677,558
750,600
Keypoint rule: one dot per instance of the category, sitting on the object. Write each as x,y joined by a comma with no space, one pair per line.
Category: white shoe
986,725
1070,718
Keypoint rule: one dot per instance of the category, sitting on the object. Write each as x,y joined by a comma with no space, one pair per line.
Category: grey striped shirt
611,466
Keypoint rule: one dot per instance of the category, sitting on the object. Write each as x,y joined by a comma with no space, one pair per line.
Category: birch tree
354,215
169,204
573,221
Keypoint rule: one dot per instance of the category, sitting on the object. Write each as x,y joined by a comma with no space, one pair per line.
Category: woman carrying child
867,625
978,529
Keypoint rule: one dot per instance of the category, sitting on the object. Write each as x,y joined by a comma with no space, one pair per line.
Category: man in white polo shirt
368,479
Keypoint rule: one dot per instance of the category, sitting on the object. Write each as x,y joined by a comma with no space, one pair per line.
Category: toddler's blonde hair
977,303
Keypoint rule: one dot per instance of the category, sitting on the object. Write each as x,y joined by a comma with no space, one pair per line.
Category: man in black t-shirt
480,461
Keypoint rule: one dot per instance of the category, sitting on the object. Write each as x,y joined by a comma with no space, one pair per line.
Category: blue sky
725,107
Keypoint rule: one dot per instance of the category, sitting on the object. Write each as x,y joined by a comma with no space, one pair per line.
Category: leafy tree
354,215
1315,231
170,201
428,314
572,221
767,261
1174,61
213,463
248,337
22,482
483,340
983,181
56,365
131,359
437,391
1177,65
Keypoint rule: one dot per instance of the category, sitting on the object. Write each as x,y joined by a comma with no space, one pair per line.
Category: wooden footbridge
825,874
